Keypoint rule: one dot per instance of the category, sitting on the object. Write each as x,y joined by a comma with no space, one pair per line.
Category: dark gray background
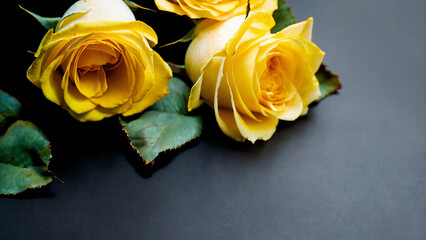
354,168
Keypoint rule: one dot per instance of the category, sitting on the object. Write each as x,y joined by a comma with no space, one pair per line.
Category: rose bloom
253,78
218,9
99,62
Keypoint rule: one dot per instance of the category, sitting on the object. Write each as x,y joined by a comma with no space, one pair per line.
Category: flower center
276,87
89,66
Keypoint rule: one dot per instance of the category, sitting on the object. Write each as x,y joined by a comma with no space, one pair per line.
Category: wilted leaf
24,158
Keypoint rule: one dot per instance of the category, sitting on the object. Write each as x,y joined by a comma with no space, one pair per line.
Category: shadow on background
43,192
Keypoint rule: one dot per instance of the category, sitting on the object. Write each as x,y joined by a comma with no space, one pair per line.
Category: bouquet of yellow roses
250,61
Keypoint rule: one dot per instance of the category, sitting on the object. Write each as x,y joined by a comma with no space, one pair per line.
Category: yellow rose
218,9
99,62
253,78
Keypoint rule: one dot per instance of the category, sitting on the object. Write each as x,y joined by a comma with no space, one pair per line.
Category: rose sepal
46,22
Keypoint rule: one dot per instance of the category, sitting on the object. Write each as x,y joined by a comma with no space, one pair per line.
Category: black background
353,168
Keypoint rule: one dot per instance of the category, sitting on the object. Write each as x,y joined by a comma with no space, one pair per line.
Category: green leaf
9,107
176,100
134,6
187,38
24,158
47,22
177,69
166,125
328,81
283,17
155,132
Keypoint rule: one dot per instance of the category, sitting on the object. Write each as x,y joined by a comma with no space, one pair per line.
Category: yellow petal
226,121
309,57
239,97
219,10
92,58
226,7
211,38
197,12
120,83
293,109
206,82
47,38
50,83
162,75
167,5
43,72
225,117
244,71
144,70
92,83
263,5
107,26
70,18
194,100
97,10
307,87
301,29
34,72
76,101
96,114
211,74
237,126
257,24
254,128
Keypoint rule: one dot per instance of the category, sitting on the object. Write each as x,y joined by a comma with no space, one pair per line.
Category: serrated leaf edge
123,124
52,175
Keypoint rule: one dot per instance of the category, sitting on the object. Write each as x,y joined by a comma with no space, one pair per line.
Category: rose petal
92,83
99,26
75,100
301,29
220,10
143,70
225,117
254,130
257,24
245,79
120,83
167,5
309,57
50,83
238,97
96,114
162,75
